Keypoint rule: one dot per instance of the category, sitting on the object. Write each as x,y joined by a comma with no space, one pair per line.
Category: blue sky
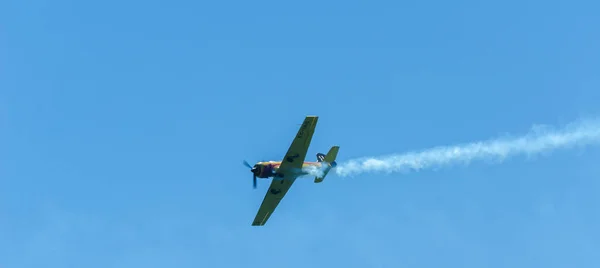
124,125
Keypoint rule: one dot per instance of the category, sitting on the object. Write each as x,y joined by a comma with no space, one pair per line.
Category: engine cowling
266,170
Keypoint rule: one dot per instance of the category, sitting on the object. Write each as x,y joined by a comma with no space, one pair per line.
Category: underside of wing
296,153
276,192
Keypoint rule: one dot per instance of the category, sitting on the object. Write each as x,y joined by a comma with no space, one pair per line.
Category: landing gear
275,191
278,177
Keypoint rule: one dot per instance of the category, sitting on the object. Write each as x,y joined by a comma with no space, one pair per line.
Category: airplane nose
254,170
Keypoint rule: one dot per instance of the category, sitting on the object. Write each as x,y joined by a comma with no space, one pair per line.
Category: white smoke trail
541,139
315,171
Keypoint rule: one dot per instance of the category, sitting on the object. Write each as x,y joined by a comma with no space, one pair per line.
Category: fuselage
269,169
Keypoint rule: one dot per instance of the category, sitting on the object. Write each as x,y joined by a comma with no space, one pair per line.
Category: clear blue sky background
124,125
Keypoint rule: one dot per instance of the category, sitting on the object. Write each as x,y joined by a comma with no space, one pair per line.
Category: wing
294,158
295,155
276,192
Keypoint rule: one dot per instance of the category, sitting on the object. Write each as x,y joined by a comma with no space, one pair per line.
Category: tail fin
328,158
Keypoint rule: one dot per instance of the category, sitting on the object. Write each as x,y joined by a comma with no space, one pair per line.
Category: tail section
328,159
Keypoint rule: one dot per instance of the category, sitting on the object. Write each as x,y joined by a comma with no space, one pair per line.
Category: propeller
253,170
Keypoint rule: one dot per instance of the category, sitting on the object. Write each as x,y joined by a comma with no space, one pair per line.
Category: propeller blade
247,164
254,181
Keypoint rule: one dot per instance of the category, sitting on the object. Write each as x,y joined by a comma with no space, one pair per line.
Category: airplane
285,172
